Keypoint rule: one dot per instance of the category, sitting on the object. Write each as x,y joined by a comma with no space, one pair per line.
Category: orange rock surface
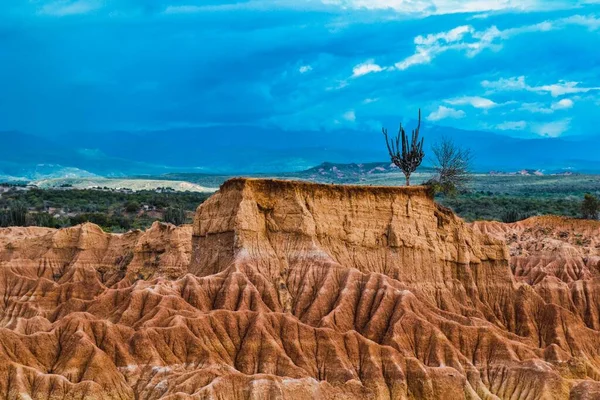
296,290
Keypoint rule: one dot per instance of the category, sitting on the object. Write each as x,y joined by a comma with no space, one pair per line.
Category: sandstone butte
290,290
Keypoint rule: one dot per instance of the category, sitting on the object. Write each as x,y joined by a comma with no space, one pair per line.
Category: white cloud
506,84
467,39
430,46
182,9
473,101
512,126
350,116
562,104
370,100
63,8
540,27
592,23
480,16
450,36
479,8
518,83
304,69
445,112
366,68
540,108
421,57
429,7
484,40
462,38
552,129
562,88
340,84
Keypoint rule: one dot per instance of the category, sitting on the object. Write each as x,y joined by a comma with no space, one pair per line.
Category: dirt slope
297,290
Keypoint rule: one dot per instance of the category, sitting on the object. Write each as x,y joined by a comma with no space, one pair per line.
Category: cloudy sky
518,67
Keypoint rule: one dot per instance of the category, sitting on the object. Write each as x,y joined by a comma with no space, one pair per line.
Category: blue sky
523,68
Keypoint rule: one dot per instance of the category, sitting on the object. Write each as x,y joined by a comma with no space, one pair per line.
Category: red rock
298,290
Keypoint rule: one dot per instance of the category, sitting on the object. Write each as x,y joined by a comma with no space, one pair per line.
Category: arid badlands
290,290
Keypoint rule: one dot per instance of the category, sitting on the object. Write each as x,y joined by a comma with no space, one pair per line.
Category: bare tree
452,165
412,152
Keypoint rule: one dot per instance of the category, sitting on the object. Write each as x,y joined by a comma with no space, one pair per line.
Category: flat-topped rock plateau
294,290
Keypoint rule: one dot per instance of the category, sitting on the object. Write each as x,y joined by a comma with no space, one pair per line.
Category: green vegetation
512,215
175,215
113,210
514,197
590,208
483,206
14,214
452,168
485,197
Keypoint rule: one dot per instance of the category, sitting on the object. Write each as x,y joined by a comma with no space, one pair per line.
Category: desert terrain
295,290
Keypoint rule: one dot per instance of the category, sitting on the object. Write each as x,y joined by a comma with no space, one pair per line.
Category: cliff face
290,290
559,258
301,236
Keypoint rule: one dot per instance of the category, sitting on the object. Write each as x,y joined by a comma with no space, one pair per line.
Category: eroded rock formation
297,290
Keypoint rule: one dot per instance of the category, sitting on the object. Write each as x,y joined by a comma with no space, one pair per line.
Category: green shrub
14,215
132,206
43,219
175,215
590,207
511,216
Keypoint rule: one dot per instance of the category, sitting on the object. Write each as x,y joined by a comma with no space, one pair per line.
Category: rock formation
296,290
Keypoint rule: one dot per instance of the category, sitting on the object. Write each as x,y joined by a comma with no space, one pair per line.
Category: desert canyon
295,290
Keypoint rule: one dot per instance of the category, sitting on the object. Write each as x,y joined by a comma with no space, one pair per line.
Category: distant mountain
242,149
493,151
246,149
29,157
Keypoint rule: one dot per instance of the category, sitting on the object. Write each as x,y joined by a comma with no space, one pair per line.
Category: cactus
410,155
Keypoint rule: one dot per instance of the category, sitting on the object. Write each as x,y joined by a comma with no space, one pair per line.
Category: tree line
115,212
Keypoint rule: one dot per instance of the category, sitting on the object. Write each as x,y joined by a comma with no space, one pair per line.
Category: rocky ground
296,290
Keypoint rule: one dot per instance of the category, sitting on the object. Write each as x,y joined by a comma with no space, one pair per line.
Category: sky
527,68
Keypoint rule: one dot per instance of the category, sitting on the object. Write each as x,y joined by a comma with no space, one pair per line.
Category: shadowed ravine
297,290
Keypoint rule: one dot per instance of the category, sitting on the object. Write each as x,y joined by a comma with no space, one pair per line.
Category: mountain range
249,149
